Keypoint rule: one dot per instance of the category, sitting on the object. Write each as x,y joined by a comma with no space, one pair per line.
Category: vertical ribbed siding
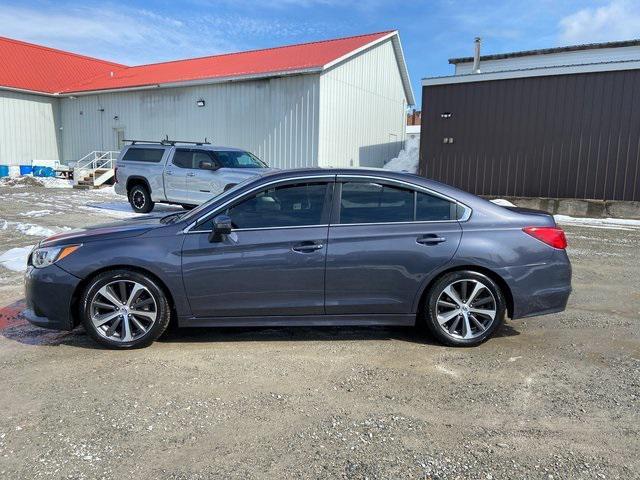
274,118
29,128
362,110
567,136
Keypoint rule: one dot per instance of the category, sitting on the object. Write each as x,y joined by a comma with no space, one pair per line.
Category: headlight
42,257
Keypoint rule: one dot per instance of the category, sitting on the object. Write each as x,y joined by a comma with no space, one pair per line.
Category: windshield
238,159
196,212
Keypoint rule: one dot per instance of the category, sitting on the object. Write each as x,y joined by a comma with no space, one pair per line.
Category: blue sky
144,31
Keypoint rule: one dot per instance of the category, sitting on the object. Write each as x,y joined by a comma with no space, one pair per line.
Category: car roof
187,145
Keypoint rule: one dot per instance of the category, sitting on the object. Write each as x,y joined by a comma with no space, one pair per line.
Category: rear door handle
307,247
168,172
430,239
191,174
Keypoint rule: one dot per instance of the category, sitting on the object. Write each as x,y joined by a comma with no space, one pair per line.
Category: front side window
238,159
370,202
136,154
296,205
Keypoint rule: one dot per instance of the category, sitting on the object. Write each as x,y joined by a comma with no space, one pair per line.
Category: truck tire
140,199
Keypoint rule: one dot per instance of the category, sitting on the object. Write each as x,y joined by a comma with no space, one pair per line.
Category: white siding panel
274,118
576,57
362,110
29,128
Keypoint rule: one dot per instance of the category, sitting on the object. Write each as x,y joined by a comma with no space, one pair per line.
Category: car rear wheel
124,309
140,199
463,309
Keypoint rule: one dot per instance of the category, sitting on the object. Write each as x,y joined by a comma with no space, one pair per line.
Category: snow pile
502,202
31,181
19,182
606,223
16,258
407,159
36,230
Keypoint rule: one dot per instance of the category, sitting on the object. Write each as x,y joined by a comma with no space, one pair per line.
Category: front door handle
307,247
191,174
430,239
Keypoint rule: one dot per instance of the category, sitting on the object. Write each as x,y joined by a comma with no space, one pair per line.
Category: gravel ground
549,397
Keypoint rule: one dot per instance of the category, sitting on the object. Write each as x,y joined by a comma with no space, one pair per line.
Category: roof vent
476,55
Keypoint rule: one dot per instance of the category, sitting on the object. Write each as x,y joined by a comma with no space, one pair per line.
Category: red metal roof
32,67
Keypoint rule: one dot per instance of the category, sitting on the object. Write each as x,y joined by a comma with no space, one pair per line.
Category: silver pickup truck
186,175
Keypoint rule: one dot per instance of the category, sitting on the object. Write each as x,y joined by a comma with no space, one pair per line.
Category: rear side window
374,203
363,202
151,155
430,208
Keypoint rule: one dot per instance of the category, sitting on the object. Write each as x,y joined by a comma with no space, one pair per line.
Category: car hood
109,231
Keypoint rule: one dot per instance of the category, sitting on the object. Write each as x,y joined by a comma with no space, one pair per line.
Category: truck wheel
140,199
187,206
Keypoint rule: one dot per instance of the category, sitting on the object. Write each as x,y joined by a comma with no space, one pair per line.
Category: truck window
152,155
183,158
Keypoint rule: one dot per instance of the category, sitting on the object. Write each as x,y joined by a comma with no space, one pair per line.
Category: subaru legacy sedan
307,247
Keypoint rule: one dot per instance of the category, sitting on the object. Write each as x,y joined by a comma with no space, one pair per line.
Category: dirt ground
549,397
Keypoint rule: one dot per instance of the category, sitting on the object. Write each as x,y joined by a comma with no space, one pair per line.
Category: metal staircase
94,169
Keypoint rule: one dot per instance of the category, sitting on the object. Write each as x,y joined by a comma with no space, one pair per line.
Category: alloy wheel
123,310
139,199
466,309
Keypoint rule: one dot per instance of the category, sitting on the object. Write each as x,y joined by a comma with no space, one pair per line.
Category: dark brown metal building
560,123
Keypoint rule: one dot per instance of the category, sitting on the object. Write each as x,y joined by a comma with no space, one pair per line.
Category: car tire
140,199
457,314
104,304
188,207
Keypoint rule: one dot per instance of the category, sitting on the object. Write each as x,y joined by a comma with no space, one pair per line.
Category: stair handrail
97,159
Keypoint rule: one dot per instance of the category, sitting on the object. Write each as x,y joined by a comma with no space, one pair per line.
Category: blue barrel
4,170
26,169
39,171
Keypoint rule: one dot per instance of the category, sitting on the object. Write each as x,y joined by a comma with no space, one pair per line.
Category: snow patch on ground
36,230
31,181
605,223
502,202
36,213
407,159
16,258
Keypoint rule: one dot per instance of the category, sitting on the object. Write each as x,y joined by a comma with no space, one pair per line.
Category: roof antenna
476,55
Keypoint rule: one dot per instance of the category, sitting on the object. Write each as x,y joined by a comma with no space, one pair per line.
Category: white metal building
331,103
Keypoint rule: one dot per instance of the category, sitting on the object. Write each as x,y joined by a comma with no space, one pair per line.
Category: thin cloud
130,36
619,20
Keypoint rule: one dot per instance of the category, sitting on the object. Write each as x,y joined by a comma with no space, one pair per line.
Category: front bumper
49,293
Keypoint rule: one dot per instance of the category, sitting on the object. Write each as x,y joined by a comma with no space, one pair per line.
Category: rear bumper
540,289
49,292
120,188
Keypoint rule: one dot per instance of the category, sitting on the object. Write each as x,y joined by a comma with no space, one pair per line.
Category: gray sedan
307,247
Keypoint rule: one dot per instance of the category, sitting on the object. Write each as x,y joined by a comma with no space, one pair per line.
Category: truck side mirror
221,227
204,165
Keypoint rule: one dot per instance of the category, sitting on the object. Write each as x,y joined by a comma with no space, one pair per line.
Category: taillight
552,236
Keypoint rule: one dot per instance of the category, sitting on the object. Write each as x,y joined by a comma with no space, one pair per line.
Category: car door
272,264
207,180
384,240
177,174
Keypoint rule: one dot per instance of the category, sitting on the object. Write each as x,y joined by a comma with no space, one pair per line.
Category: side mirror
204,165
221,227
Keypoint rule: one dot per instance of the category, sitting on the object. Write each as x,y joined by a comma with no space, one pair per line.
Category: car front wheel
124,309
464,308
